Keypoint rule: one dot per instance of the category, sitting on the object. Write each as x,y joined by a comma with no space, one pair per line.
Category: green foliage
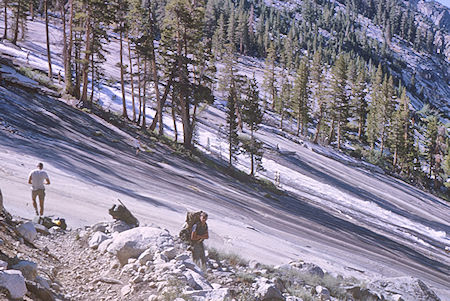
340,107
37,76
231,258
173,290
301,96
270,186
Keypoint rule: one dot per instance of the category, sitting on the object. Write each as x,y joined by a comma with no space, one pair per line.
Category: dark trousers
198,253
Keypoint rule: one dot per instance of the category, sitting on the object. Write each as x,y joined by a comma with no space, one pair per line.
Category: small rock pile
115,261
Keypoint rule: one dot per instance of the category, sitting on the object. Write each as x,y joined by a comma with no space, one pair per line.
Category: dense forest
324,72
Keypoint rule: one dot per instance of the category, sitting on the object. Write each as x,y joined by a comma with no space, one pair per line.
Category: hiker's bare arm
195,236
48,181
29,180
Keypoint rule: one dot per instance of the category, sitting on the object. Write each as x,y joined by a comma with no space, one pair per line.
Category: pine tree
431,134
231,28
341,101
252,117
359,102
20,17
242,31
184,44
319,95
232,126
285,97
301,94
219,38
373,125
270,81
386,109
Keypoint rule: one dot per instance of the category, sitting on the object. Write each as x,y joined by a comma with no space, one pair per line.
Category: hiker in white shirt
37,179
137,145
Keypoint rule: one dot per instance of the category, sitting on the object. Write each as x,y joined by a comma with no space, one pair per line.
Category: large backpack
191,219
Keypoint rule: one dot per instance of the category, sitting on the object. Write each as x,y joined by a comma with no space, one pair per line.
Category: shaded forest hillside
370,78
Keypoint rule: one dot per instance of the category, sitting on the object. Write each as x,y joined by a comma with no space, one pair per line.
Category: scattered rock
269,292
28,231
323,293
221,294
14,282
3,265
97,239
100,227
28,269
41,292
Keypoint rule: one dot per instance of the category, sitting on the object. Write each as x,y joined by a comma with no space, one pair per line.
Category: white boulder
133,242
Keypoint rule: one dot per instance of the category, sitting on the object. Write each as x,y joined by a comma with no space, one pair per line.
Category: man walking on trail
37,178
198,235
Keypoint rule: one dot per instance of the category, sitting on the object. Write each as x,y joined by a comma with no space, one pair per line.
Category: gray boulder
41,229
197,281
100,227
97,239
312,269
104,245
323,293
407,288
132,243
118,226
3,265
28,231
268,291
28,269
14,282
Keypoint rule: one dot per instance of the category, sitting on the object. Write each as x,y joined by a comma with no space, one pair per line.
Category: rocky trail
114,261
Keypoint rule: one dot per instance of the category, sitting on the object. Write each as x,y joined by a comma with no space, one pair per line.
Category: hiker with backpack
198,235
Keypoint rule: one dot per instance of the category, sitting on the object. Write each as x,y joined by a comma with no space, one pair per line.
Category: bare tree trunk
31,11
5,33
85,68
339,134
139,89
174,117
63,20
122,83
394,163
22,28
163,101
131,80
68,54
16,27
252,165
144,96
319,123
91,99
77,68
360,127
49,58
331,133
